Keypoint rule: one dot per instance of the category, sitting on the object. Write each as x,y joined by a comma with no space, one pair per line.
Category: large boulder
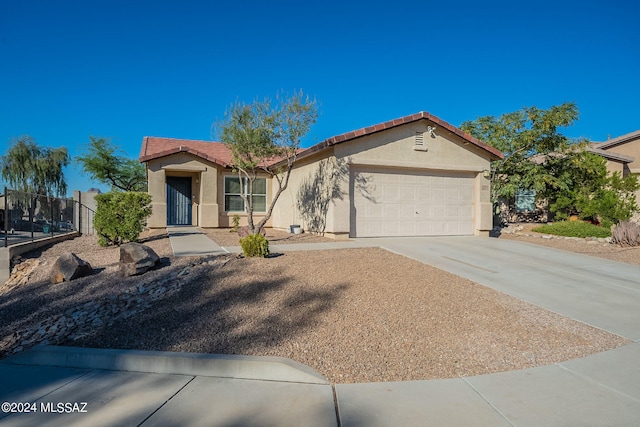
68,267
136,258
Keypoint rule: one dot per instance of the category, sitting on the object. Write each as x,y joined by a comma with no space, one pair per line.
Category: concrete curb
208,365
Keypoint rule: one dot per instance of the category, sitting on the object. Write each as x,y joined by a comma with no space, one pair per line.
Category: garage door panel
391,211
391,228
407,228
423,228
407,212
423,193
451,211
374,210
407,194
437,194
453,195
437,211
418,204
390,193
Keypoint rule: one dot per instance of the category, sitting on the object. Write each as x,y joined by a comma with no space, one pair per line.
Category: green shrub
608,200
235,222
573,229
121,216
626,234
255,245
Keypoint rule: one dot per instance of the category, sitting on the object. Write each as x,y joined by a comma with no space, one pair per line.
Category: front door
178,200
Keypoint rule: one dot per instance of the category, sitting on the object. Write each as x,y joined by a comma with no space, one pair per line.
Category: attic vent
419,142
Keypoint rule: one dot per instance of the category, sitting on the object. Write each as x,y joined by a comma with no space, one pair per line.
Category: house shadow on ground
230,309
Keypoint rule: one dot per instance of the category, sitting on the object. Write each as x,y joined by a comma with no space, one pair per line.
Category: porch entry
178,200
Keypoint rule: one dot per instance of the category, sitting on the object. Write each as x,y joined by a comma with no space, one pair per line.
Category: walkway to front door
190,241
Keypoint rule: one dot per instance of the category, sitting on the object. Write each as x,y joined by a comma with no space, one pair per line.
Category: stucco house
413,176
623,155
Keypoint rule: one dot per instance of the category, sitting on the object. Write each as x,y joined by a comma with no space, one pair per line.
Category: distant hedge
573,229
121,216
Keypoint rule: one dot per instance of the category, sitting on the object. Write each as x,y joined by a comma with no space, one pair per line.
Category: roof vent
419,142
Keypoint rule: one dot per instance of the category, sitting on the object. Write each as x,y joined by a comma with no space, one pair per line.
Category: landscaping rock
80,321
136,258
68,267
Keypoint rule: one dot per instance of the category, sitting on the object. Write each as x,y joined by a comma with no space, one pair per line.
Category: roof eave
622,158
348,136
623,139
171,151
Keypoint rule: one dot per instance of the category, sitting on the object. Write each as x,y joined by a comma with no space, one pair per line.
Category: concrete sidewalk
190,241
598,390
66,386
123,388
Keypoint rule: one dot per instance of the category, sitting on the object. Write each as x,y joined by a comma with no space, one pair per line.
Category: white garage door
411,204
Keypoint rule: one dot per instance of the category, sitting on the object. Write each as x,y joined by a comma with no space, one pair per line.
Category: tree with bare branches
264,133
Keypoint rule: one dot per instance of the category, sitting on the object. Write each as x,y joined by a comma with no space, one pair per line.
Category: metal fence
28,217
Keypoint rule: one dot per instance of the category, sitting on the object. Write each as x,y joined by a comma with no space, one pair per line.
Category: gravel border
588,246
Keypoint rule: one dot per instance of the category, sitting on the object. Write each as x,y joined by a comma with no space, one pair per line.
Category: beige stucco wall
629,148
391,148
286,212
613,166
394,147
204,185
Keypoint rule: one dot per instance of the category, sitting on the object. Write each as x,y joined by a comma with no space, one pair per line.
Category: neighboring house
622,154
412,176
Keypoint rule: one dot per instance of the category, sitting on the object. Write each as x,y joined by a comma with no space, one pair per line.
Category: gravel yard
354,315
630,255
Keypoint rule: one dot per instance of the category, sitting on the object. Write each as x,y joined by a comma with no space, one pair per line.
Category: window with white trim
234,188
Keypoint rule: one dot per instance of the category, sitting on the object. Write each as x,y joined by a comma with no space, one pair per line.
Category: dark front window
234,188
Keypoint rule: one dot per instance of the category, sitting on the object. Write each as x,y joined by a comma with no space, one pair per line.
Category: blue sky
128,69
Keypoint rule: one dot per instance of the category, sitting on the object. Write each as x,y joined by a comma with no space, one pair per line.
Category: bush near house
255,245
573,229
121,216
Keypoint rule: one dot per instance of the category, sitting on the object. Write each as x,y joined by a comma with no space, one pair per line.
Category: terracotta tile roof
215,152
617,140
398,122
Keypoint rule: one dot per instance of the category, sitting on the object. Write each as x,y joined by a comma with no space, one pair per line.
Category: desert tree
102,162
561,170
29,168
263,134
526,137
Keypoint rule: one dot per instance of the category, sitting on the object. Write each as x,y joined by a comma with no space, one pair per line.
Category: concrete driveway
596,291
